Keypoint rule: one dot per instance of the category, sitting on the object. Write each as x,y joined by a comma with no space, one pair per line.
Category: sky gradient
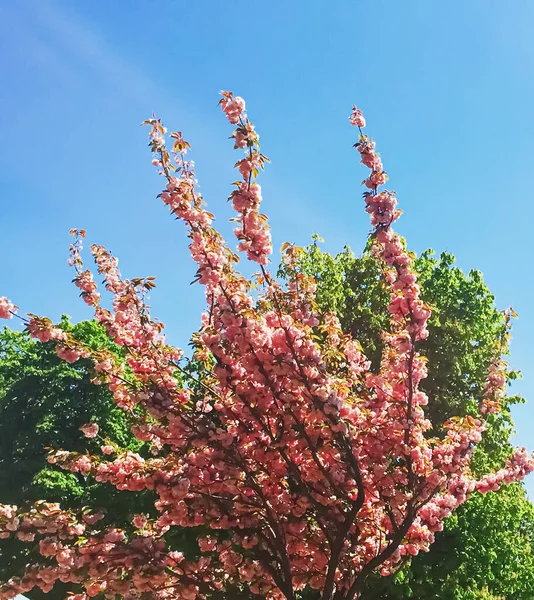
447,90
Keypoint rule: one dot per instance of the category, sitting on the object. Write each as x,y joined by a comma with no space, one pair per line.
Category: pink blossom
233,107
7,308
67,354
139,521
356,118
90,430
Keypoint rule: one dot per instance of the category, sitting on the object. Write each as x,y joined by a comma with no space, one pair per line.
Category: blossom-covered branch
304,468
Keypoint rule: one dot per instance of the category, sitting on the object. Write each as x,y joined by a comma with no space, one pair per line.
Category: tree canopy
43,403
298,462
486,549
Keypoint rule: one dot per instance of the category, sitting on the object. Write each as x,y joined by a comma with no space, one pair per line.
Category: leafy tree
486,549
300,465
43,403
43,395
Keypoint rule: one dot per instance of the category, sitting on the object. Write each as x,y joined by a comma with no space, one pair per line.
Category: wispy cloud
90,48
71,49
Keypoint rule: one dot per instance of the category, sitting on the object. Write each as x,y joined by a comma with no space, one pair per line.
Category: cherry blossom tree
300,467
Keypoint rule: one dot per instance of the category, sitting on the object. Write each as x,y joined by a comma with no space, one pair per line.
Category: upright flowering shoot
300,466
253,231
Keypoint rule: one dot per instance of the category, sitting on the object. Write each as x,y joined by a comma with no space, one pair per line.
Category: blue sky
447,90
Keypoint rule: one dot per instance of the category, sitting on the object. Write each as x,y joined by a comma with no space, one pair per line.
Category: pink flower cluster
90,430
43,330
253,231
104,560
517,467
7,308
85,282
356,118
494,390
233,107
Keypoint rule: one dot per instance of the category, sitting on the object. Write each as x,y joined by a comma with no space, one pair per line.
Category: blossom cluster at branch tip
7,308
253,231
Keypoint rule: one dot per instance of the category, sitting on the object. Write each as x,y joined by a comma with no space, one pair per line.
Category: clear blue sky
447,89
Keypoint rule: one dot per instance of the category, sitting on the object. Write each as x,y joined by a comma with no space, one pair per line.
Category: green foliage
486,548
486,551
43,402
